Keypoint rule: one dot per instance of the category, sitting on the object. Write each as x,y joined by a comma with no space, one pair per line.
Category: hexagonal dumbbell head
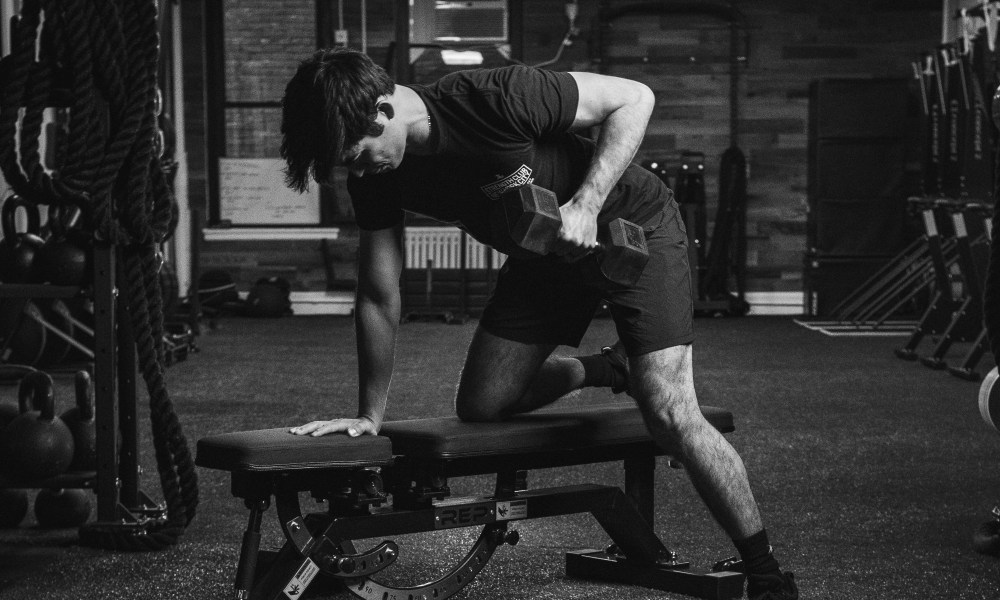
623,254
533,217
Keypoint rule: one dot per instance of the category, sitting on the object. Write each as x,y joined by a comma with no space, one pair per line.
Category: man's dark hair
329,105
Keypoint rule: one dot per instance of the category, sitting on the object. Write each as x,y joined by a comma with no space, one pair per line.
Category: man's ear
386,109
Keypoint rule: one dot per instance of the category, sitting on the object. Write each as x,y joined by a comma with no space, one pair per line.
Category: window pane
253,132
265,41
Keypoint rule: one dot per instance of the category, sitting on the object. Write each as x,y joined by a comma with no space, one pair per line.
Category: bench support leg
247,566
639,484
599,566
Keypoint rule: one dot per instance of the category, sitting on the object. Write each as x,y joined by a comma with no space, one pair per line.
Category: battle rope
99,59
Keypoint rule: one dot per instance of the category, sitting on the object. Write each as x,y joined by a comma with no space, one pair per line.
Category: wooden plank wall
685,59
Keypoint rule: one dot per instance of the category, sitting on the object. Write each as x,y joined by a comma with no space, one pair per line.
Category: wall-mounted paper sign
252,191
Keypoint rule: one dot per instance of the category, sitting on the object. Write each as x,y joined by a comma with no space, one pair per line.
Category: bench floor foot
597,565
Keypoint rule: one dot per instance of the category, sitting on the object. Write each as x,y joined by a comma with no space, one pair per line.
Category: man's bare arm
621,108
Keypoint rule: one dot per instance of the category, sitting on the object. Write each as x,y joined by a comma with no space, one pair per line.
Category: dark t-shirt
496,129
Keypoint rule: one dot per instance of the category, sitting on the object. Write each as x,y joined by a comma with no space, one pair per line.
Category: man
448,151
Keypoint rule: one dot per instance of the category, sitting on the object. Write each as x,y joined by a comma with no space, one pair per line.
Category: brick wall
684,59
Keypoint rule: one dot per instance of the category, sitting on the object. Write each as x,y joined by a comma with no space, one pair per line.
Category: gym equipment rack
121,505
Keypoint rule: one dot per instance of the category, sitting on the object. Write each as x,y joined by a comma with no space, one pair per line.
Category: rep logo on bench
463,516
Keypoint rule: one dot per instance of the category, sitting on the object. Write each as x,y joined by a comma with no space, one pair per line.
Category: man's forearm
376,323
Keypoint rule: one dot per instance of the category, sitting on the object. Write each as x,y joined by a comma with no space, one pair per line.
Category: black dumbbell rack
120,503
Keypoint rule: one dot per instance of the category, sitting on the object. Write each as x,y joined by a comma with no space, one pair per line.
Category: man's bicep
601,95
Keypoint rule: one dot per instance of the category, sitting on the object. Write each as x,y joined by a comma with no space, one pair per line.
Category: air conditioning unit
470,21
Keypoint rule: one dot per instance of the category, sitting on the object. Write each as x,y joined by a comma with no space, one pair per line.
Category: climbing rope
98,58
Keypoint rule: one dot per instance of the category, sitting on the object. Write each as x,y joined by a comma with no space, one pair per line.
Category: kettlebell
62,508
8,413
65,258
13,507
36,444
18,251
12,373
80,420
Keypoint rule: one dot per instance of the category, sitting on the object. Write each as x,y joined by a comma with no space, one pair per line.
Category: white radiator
443,246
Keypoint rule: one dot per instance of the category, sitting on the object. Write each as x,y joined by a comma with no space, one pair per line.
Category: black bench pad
279,450
561,430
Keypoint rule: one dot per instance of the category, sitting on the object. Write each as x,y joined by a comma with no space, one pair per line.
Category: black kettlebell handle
84,395
9,211
35,393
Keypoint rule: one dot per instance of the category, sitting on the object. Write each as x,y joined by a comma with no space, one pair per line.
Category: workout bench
412,461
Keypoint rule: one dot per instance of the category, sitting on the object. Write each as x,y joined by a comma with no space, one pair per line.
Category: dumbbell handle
602,245
532,217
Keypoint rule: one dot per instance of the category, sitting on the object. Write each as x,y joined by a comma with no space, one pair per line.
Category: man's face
376,154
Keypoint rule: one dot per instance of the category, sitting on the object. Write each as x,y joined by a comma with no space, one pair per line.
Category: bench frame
359,507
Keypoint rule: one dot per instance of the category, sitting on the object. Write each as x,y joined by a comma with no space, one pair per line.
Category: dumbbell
532,219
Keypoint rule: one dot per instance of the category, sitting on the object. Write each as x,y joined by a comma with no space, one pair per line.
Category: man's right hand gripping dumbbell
532,219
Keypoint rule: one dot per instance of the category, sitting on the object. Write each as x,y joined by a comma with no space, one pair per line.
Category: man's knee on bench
483,409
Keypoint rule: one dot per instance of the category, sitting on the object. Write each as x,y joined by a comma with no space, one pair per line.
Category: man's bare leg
662,383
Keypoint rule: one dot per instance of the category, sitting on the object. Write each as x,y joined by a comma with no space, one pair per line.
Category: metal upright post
106,381
128,459
463,274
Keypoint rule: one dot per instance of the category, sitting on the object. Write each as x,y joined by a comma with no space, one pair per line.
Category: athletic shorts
551,301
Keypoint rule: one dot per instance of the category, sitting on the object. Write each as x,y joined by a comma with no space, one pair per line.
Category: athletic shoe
619,362
774,588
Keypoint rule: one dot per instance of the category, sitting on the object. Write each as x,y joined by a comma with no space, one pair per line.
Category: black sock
761,568
597,371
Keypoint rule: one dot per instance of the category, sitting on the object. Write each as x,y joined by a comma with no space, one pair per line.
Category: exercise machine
944,302
971,239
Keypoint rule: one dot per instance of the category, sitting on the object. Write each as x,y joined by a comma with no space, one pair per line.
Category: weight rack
121,505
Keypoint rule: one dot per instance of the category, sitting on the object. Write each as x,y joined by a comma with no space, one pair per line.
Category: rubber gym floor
872,473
